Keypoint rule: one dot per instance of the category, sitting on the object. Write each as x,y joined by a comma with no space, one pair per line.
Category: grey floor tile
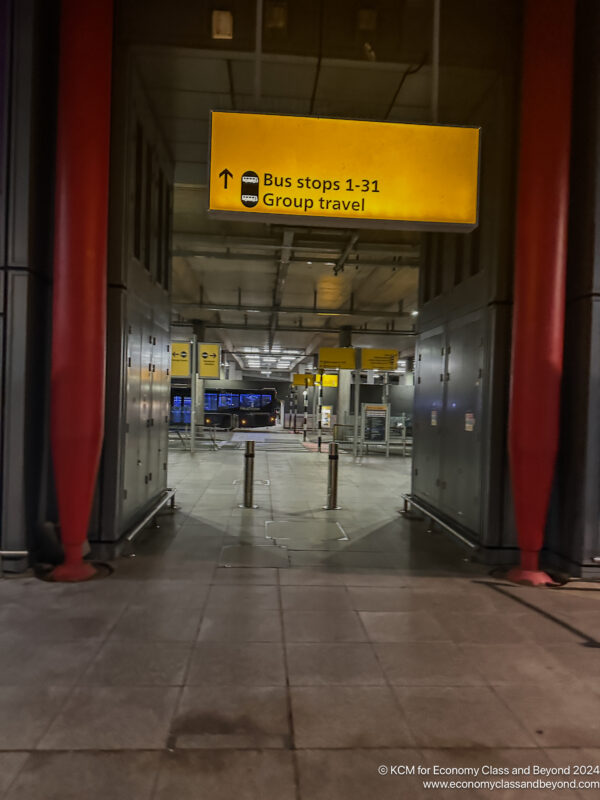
514,663
452,716
113,718
62,621
318,626
86,776
26,712
131,663
315,598
10,765
241,626
476,628
572,758
237,664
311,577
247,556
227,774
216,717
580,662
428,664
348,717
375,577
167,622
354,774
242,597
333,664
246,575
403,626
555,715
372,598
179,593
32,663
535,627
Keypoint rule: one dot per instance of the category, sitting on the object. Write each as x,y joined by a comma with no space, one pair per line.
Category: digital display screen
210,401
228,400
248,400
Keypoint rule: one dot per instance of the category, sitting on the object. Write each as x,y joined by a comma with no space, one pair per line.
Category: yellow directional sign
180,359
209,360
345,172
301,379
386,360
337,358
328,380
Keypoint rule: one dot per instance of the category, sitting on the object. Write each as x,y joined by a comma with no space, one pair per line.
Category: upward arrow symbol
225,174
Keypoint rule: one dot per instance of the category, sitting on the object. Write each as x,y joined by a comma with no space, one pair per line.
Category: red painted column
79,301
540,267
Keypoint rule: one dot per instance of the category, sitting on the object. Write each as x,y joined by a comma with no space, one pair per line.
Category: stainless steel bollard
332,478
248,474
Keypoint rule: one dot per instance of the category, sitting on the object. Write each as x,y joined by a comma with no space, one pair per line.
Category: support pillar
79,290
540,267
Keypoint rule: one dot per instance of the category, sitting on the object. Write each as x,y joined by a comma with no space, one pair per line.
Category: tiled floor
219,663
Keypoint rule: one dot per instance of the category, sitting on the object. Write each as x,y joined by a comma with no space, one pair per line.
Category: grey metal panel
498,527
575,534
133,425
29,221
428,409
113,456
5,57
24,409
461,471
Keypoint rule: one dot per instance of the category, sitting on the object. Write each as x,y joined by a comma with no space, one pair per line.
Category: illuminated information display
343,172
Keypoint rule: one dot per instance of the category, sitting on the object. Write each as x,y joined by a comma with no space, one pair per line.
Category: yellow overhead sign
328,380
303,380
386,360
337,358
180,359
300,379
209,360
371,174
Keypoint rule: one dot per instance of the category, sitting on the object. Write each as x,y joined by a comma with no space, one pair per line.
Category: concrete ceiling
278,287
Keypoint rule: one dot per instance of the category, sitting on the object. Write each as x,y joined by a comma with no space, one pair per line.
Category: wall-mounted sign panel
386,360
337,358
209,360
180,359
343,172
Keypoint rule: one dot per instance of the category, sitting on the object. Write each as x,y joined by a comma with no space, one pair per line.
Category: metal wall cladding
146,409
461,479
134,470
447,468
428,415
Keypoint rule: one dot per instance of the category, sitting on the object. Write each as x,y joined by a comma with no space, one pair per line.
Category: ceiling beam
396,263
191,242
301,329
339,267
280,279
369,313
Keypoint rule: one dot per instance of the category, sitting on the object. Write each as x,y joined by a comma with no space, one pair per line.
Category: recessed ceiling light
415,313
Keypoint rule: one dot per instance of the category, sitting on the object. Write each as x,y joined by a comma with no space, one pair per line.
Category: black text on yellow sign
180,359
337,358
209,360
330,171
385,360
